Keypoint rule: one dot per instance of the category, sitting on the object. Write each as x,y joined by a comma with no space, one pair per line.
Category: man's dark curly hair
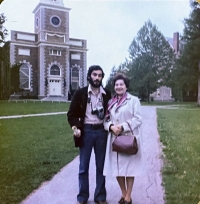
123,77
92,68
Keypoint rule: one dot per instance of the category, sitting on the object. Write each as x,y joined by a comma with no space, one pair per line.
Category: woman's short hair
92,68
122,77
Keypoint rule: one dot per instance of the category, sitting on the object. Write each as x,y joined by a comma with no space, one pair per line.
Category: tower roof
53,2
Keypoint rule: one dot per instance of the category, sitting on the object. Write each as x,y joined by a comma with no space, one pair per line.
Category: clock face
55,20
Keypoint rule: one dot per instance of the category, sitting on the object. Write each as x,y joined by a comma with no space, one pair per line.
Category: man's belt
94,126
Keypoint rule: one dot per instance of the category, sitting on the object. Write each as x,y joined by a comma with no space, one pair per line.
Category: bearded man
85,116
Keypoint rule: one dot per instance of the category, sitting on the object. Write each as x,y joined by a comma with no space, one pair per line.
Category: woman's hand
116,129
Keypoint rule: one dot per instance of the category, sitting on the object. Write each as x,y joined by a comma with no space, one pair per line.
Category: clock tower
52,63
52,21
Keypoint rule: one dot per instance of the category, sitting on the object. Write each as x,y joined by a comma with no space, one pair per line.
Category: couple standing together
97,119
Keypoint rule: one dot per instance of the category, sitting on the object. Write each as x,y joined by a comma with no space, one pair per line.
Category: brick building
164,93
52,63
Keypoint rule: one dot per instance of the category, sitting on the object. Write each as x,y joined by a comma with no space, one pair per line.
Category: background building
164,93
52,63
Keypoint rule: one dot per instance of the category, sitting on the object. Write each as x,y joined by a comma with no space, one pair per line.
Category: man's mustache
97,81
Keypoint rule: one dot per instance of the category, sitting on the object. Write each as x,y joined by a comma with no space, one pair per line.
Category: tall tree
15,78
3,30
5,71
151,60
184,77
109,84
191,37
122,69
4,61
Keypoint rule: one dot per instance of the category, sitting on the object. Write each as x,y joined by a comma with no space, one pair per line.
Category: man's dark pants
93,138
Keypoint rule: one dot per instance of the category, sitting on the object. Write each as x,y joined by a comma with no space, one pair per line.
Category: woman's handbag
126,144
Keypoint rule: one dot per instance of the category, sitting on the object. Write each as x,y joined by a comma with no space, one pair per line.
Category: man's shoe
101,202
81,202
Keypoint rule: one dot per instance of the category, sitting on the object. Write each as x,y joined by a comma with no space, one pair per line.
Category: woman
123,108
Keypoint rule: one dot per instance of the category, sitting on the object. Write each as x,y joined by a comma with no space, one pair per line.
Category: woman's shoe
126,202
121,201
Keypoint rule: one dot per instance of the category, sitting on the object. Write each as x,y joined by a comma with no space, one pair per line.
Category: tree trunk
198,99
1,77
148,95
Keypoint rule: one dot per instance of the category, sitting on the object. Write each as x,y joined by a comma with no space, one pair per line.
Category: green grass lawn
32,150
180,135
172,104
31,107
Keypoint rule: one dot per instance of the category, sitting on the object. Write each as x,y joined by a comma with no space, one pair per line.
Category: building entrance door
55,87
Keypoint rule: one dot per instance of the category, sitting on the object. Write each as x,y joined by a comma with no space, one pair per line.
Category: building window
29,37
53,80
76,57
55,70
55,52
24,52
24,75
75,78
37,22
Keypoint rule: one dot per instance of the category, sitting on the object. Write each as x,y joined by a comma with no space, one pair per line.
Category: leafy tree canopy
189,61
191,34
3,31
151,60
114,71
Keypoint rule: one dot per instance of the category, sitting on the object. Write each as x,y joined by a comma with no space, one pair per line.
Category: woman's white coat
125,165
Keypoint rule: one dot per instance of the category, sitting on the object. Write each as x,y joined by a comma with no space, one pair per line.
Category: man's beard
93,83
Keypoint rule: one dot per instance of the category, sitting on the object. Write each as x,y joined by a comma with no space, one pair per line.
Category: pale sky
109,26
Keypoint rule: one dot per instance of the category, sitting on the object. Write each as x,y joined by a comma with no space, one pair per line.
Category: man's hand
77,132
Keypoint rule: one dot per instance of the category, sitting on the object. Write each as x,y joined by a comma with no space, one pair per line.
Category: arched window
24,76
55,70
75,78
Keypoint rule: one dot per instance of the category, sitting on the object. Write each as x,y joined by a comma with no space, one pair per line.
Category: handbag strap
130,127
